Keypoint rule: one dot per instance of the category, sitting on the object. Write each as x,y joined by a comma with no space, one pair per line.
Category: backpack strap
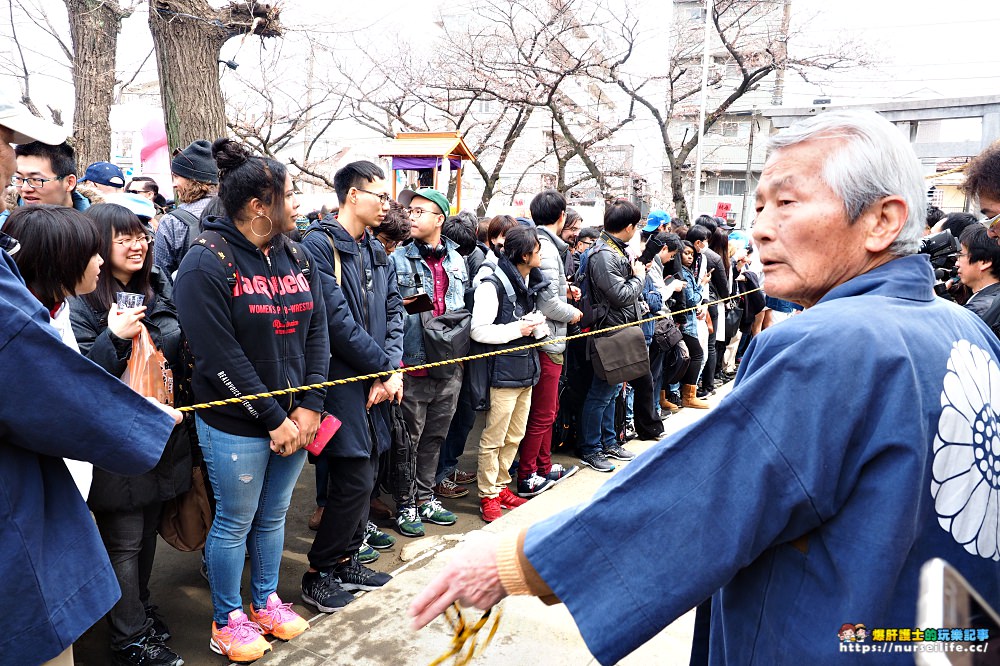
192,222
336,252
219,246
507,287
302,258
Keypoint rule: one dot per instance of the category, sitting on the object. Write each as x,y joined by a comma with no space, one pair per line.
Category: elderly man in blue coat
365,319
860,441
53,566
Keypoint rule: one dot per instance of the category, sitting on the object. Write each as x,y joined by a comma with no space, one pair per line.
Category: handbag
621,356
446,337
148,372
187,518
666,334
734,315
402,463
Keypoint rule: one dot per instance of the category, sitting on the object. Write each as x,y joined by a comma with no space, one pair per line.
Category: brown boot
689,397
667,405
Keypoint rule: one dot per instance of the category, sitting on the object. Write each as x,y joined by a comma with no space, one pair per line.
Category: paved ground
373,630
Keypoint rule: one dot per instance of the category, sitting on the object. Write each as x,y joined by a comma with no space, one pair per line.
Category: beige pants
505,423
65,659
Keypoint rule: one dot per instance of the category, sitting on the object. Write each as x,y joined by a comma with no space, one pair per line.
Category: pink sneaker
239,640
278,619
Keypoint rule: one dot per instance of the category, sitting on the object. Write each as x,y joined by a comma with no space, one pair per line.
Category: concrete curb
374,630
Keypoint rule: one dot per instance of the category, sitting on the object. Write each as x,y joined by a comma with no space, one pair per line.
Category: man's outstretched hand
471,578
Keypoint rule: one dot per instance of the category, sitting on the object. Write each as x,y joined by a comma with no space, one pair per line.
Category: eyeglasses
381,196
417,212
587,243
142,241
136,191
32,182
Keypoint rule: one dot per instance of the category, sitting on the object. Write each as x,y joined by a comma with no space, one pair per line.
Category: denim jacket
404,259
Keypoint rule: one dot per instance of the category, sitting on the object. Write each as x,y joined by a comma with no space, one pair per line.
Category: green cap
406,196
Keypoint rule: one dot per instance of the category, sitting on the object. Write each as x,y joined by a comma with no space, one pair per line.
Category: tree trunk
94,27
188,36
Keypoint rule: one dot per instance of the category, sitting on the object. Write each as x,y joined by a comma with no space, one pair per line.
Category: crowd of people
239,299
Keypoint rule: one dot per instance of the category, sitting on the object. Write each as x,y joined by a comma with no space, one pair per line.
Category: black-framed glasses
587,243
417,212
32,181
381,196
136,191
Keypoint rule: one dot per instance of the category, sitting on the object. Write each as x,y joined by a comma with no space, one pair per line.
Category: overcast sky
926,49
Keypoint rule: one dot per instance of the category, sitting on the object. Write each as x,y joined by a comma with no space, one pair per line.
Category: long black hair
111,220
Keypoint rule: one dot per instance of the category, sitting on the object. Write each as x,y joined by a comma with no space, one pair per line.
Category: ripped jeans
253,488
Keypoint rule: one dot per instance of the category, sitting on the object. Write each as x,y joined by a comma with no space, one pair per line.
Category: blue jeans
253,488
598,424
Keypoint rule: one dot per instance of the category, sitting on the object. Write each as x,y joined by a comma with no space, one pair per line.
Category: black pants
656,371
647,423
708,376
345,517
694,348
130,537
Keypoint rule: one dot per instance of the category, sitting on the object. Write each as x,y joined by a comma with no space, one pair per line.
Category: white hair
874,161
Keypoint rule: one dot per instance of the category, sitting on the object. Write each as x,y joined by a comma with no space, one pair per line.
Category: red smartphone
327,428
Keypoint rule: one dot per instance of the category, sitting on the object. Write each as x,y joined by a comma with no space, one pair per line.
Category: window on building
484,106
696,13
732,187
730,129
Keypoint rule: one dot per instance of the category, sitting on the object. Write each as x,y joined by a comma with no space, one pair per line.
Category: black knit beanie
196,162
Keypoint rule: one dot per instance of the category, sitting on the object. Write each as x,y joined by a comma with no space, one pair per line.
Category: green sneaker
367,554
433,512
409,523
378,539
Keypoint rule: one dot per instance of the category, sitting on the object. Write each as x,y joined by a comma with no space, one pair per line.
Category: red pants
536,447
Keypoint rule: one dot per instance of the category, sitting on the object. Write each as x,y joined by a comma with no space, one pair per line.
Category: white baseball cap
27,127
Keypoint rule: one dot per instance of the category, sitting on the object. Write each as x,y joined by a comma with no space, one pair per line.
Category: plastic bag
147,372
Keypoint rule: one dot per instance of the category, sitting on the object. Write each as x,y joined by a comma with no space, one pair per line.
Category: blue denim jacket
404,259
692,297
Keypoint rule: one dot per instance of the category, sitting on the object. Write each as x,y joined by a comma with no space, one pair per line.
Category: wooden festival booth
427,159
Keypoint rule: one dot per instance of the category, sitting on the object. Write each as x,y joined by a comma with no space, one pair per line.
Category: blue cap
740,237
140,206
655,220
105,173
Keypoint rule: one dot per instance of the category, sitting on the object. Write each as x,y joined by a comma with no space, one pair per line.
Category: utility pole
701,111
778,95
745,213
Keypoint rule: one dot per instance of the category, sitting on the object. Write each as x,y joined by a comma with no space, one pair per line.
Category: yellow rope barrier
437,364
466,633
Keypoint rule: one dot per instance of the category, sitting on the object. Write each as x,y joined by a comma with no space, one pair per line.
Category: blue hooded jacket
53,565
861,440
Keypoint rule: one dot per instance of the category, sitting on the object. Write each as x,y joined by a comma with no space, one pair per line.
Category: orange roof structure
428,144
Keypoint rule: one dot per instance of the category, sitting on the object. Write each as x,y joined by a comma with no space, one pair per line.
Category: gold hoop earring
270,226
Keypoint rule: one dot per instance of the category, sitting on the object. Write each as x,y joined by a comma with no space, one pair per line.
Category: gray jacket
551,301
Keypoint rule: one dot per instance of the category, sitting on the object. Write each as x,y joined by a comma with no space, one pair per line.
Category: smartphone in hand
328,427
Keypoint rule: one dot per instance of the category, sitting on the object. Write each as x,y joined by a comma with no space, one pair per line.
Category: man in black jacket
710,265
365,320
979,268
615,286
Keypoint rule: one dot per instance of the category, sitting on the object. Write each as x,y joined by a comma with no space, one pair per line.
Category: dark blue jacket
365,324
520,368
57,404
266,332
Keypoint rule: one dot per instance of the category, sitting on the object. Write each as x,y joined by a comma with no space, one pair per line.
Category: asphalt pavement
374,629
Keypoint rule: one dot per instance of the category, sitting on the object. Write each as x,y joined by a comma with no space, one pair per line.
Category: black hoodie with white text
264,333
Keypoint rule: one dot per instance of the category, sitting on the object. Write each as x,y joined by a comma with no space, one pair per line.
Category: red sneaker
509,500
490,508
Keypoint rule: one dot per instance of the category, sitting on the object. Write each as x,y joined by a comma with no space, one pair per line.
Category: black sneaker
322,590
597,461
146,652
354,576
159,631
618,452
630,432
